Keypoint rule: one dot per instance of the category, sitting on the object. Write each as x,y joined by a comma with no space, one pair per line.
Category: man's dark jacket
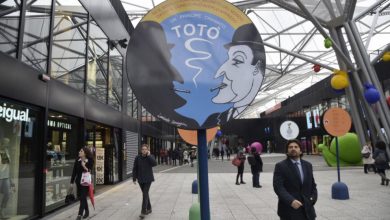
142,169
288,187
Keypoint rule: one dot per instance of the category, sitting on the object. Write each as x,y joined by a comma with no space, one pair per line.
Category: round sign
289,130
191,136
195,64
337,121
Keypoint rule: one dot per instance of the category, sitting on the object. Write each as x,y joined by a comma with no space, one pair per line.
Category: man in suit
295,186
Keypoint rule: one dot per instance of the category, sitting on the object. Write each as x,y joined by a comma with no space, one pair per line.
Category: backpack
380,159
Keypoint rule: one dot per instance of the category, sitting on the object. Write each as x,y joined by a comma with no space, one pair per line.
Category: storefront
20,138
106,144
63,143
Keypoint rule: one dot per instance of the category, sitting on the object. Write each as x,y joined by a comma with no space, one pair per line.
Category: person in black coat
381,161
256,167
143,173
294,185
83,163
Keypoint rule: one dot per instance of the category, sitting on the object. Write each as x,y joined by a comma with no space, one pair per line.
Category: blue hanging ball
219,133
371,94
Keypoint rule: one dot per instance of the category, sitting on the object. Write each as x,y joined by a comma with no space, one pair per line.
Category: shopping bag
86,179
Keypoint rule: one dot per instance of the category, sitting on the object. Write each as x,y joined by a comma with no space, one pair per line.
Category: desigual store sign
9,113
195,64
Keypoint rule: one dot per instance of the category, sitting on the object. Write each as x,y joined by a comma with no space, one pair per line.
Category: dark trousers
255,179
240,172
366,166
145,197
83,193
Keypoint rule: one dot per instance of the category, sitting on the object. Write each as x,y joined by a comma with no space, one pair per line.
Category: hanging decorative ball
388,101
328,42
218,134
316,68
339,81
386,56
218,128
371,94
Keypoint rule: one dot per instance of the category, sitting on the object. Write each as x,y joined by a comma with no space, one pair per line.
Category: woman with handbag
82,165
240,168
368,161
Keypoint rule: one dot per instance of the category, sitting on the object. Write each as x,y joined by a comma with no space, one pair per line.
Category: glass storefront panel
9,26
64,142
69,44
115,80
132,104
19,148
97,63
106,142
36,32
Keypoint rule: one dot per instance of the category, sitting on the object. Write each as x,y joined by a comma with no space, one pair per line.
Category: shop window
64,142
19,148
36,32
97,63
9,26
69,44
115,80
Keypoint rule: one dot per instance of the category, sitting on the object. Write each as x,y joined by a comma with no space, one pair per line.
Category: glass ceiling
288,75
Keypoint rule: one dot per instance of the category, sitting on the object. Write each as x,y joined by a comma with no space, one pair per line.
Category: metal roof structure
292,40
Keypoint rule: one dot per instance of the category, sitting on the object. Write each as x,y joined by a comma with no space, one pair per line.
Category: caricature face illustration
238,75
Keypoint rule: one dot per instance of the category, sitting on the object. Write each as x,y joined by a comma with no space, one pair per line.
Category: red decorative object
316,68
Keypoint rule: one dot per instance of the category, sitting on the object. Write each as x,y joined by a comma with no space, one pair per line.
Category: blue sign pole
203,175
338,159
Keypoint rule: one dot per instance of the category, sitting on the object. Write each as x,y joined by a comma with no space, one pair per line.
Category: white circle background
289,130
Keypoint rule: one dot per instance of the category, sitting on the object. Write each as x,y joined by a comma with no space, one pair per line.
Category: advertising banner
195,64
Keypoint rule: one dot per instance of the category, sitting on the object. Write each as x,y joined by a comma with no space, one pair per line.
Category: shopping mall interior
66,82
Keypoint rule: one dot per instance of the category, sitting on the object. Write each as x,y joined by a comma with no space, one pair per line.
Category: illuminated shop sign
59,124
10,114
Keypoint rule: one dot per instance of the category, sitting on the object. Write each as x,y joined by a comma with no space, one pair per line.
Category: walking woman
143,173
83,164
381,161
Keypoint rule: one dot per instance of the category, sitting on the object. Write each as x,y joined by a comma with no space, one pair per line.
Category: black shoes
148,212
242,182
237,183
259,186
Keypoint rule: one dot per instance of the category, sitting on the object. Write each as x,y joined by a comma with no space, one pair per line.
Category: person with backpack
256,164
381,161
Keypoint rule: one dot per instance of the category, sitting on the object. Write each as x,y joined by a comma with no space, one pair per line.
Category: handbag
70,196
236,161
366,155
86,179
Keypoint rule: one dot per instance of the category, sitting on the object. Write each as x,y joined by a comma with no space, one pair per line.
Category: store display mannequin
5,182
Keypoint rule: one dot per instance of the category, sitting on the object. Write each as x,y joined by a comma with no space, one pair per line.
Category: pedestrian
368,161
192,157
185,155
227,153
83,163
256,164
240,168
143,173
294,185
381,161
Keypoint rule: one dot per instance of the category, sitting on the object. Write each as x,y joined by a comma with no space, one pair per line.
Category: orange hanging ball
339,81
